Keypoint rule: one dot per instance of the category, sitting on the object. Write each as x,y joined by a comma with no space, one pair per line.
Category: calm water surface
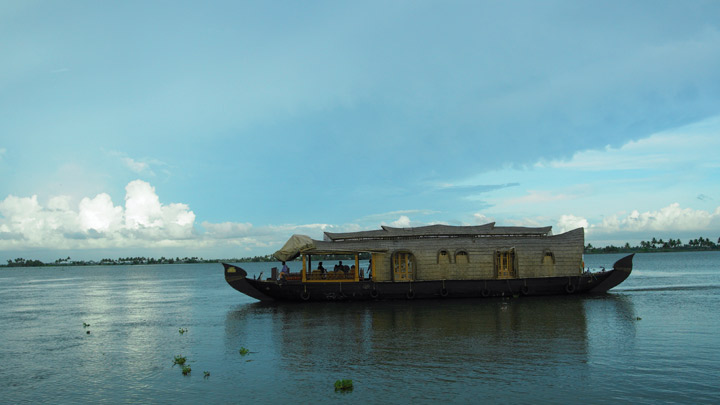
653,340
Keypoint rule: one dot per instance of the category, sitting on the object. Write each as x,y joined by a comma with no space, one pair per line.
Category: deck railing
317,275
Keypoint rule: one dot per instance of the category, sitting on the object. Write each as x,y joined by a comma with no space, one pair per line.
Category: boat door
505,264
403,266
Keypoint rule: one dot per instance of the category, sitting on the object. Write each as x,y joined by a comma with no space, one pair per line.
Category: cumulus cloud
98,214
405,222
402,222
142,222
570,222
142,206
96,222
672,218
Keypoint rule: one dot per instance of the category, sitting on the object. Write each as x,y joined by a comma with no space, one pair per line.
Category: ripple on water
540,350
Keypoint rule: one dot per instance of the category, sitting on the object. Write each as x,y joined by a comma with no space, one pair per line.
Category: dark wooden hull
588,283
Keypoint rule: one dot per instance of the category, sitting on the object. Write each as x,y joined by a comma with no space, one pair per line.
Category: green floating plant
186,369
85,325
180,360
243,351
206,374
182,330
343,385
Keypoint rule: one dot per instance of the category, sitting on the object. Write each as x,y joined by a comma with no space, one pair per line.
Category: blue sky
220,129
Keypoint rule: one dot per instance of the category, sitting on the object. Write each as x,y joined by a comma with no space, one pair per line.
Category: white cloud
695,144
143,222
31,225
99,214
672,218
135,166
481,219
96,223
402,222
570,222
139,166
227,230
59,203
142,206
536,196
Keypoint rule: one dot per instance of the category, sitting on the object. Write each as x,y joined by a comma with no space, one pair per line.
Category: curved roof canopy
488,229
353,242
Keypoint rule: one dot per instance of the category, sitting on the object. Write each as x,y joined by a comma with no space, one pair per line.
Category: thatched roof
293,247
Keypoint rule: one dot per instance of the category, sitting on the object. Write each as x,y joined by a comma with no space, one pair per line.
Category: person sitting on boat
321,268
338,267
285,271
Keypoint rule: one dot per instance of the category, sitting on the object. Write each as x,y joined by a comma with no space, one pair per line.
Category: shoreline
151,261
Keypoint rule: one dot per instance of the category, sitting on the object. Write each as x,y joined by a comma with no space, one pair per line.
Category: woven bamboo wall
564,256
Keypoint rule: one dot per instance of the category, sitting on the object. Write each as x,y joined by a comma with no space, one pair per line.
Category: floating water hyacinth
343,385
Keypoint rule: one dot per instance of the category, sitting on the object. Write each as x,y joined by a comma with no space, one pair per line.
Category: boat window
443,257
461,257
548,257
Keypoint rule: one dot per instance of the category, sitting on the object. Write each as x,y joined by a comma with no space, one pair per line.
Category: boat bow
237,278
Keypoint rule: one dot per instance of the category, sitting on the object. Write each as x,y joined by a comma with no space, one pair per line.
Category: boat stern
621,270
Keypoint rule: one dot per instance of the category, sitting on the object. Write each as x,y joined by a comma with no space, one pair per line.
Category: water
532,349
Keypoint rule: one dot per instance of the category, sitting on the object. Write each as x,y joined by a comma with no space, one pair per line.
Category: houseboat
437,261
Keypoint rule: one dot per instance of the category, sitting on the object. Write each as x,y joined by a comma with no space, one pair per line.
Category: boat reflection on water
457,341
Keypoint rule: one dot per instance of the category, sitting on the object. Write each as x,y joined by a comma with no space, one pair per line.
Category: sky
218,129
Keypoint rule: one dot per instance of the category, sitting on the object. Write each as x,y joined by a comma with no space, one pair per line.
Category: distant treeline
20,262
658,245
654,245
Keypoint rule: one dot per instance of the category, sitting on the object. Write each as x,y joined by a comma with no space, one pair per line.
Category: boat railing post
304,277
357,267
